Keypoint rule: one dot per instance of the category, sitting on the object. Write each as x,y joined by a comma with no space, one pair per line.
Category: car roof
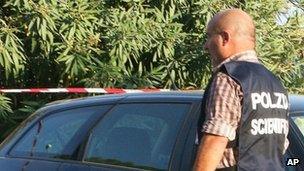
114,98
296,101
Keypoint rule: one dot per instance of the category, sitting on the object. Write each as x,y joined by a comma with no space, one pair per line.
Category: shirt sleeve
223,109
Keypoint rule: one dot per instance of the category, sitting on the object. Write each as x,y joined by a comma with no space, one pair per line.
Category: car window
299,121
137,135
57,135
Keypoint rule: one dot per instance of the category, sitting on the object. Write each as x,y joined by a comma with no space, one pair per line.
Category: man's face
213,44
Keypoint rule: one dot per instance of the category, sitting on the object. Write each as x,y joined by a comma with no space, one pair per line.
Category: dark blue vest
264,122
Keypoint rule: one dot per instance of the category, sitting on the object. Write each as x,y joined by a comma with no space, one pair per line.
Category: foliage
11,51
5,113
5,108
133,43
31,106
144,43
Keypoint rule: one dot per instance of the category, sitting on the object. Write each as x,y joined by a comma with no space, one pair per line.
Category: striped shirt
224,108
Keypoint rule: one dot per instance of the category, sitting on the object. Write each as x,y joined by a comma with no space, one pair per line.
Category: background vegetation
129,44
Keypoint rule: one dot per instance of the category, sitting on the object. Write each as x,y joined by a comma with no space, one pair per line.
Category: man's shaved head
229,32
235,20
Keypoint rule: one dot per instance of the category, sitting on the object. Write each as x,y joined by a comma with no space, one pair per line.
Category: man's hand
210,152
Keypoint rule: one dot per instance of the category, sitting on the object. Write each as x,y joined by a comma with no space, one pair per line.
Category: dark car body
145,131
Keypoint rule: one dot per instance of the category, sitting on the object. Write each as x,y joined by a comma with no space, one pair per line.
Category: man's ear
225,37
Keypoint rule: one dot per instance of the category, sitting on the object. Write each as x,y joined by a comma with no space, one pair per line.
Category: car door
55,139
296,141
136,136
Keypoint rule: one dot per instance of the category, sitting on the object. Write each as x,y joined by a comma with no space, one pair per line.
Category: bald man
244,121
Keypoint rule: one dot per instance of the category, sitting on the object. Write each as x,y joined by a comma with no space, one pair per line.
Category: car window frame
191,146
47,113
294,126
174,161
183,149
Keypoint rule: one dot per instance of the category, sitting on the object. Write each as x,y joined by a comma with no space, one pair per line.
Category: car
137,131
296,131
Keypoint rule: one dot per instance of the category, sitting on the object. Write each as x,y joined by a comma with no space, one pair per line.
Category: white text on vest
279,101
269,126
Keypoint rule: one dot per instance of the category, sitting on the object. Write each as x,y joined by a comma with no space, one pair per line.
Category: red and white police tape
80,90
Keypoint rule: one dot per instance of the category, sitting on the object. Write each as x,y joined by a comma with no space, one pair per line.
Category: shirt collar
249,56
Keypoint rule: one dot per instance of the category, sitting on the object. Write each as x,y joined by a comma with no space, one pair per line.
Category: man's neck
236,57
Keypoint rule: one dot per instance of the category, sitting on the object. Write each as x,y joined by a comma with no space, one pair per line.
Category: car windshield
299,121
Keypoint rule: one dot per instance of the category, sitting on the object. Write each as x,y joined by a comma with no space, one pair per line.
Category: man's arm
210,152
223,111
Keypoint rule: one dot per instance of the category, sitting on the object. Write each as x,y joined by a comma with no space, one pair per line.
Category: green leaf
72,32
